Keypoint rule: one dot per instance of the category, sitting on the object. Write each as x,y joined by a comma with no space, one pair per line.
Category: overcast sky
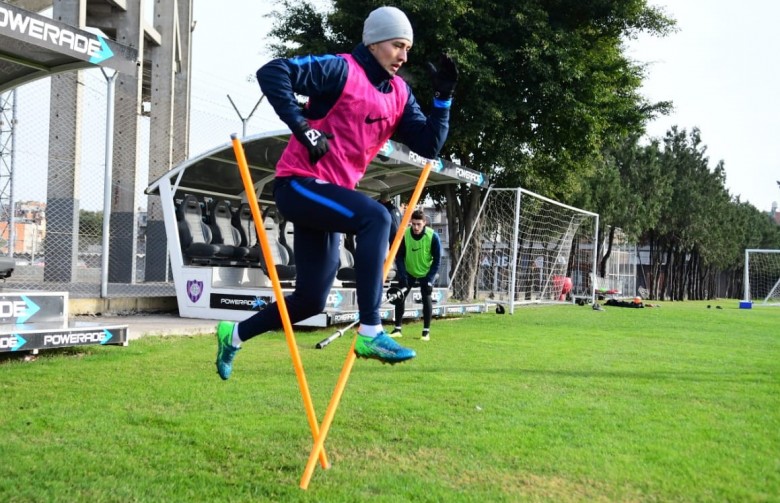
720,69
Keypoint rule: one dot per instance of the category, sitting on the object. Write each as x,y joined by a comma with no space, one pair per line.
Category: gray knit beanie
386,23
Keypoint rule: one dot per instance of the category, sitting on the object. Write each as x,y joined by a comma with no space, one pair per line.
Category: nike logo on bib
371,120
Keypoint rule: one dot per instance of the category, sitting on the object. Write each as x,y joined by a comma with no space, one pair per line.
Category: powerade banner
48,339
34,29
351,316
402,153
337,299
18,309
238,302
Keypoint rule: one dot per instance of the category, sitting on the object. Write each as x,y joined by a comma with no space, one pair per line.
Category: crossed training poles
319,431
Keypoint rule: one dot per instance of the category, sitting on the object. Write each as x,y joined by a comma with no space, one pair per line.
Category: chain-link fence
55,149
55,143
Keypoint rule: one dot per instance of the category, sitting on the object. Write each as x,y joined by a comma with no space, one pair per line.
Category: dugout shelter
216,264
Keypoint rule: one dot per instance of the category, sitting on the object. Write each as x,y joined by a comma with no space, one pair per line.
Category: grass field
679,403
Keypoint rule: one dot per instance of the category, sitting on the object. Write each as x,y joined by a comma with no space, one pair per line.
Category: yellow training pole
330,413
249,188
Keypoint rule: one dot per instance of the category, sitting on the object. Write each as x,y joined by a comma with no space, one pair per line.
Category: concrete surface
142,324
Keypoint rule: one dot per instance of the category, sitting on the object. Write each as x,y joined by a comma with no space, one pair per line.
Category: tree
90,227
702,231
544,85
629,189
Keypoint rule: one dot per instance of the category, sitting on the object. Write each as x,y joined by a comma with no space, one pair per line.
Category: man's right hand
315,141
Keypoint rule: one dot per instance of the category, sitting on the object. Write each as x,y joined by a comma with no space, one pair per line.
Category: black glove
445,78
315,141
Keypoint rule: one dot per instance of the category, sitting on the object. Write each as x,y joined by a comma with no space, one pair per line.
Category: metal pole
108,182
594,271
746,277
11,202
34,243
515,239
245,120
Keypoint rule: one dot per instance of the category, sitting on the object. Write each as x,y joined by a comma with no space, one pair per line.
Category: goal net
620,268
762,276
526,248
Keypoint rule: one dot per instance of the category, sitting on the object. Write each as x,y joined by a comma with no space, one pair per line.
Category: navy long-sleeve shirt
322,79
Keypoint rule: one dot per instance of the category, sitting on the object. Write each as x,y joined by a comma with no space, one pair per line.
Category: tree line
664,196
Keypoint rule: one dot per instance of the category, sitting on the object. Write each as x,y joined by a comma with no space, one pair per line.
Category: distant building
774,214
29,229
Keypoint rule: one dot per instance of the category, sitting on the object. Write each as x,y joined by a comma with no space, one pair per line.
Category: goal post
526,248
762,277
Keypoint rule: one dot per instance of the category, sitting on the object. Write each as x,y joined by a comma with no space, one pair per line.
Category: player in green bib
417,263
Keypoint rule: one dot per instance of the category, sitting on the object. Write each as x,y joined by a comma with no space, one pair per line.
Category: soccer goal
526,248
762,276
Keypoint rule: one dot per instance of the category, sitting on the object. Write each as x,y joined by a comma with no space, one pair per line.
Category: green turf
679,403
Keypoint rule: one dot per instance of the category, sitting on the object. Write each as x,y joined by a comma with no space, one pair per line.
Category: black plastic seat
7,266
194,234
282,257
279,253
223,233
243,222
346,272
287,238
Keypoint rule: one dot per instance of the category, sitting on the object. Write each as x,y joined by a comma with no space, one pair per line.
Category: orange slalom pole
330,413
243,168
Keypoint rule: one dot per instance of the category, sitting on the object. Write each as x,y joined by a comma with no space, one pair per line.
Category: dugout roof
33,46
395,169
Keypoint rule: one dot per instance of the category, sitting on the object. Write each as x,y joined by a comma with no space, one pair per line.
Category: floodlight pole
245,120
108,181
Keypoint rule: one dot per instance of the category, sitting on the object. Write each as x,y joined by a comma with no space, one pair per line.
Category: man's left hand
444,78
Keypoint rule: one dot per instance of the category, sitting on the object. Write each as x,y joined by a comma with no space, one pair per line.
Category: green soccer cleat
225,349
382,348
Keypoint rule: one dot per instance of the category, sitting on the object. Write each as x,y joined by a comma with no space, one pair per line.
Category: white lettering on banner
468,175
12,309
343,317
59,339
17,22
417,158
36,29
8,342
334,299
45,31
237,302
